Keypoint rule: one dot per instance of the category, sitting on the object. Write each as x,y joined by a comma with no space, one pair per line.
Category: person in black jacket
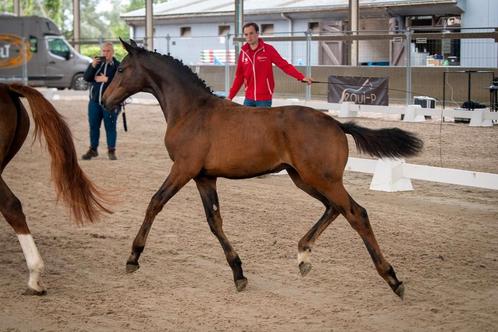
100,74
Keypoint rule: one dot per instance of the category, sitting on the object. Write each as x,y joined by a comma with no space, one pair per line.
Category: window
33,44
266,29
185,32
314,27
223,30
59,47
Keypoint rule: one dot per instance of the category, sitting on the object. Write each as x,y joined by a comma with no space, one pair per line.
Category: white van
50,59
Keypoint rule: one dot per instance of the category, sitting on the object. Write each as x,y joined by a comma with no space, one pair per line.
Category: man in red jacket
254,69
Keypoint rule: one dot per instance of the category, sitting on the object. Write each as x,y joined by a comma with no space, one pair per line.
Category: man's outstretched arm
287,67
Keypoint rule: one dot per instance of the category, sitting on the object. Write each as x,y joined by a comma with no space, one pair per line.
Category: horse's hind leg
308,240
358,219
11,209
209,196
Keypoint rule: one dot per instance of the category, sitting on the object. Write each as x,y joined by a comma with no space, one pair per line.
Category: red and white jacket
254,69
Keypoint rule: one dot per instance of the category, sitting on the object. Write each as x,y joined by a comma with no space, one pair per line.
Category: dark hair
251,24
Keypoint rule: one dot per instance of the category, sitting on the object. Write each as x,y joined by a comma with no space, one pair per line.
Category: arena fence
411,113
393,174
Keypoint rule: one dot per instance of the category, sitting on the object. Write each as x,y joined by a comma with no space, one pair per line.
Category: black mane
181,67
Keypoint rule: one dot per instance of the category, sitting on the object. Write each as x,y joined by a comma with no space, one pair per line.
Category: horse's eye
120,70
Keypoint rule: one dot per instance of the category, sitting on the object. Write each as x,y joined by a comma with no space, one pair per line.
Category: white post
477,119
346,112
388,176
411,114
149,25
227,65
354,6
17,7
76,25
408,54
307,88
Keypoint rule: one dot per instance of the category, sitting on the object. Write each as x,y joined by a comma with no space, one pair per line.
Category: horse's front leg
209,196
173,183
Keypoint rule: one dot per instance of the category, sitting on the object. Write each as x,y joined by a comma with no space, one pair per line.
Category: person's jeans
257,103
96,113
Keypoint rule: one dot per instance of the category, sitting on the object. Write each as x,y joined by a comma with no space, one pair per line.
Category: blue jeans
257,103
96,113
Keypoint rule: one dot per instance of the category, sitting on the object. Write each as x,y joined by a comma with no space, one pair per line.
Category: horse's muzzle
107,106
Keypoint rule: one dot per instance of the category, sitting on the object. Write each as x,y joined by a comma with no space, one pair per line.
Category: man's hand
308,80
95,62
101,78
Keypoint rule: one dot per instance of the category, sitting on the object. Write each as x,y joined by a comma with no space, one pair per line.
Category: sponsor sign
358,90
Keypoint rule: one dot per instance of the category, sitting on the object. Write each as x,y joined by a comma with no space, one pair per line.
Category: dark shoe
90,154
112,155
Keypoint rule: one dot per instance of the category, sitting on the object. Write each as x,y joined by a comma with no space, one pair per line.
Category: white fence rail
396,175
412,113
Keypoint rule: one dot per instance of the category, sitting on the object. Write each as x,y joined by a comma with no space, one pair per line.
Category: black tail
386,142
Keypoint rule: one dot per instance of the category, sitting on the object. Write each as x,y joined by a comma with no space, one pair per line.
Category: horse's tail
85,200
386,142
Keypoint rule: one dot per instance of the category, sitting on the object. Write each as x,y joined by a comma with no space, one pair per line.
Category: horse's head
129,79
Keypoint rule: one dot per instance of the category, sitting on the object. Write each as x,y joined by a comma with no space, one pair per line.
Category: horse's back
313,135
14,125
278,127
264,139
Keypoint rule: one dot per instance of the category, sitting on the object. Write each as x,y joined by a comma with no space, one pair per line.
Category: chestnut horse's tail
387,142
86,202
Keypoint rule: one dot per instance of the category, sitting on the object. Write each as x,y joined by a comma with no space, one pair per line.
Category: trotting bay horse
209,137
71,184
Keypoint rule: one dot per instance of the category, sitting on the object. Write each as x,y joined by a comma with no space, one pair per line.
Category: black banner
358,90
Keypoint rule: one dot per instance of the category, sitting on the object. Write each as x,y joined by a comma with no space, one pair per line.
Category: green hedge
94,50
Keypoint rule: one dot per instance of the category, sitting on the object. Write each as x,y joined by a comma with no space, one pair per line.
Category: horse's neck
175,103
176,95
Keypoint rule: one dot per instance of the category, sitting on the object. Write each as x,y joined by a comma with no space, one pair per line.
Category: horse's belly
241,165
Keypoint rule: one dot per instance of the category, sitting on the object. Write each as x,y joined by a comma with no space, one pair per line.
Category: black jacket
97,89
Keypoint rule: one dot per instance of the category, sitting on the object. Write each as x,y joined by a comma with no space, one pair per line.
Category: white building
194,30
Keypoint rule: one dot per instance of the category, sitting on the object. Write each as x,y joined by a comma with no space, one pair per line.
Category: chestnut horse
71,184
209,137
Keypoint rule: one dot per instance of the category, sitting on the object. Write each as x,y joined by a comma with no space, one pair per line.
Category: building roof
182,8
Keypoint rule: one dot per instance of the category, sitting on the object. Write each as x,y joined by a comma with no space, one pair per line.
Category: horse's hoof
304,268
241,284
132,267
400,291
31,291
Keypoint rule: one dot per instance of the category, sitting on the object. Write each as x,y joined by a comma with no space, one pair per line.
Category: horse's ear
133,43
129,48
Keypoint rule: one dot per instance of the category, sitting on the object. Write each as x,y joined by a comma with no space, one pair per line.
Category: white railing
396,175
412,113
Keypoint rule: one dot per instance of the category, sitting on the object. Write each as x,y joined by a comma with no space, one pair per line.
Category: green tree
47,8
135,4
103,25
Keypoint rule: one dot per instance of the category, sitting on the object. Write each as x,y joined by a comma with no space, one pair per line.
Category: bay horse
209,137
85,201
